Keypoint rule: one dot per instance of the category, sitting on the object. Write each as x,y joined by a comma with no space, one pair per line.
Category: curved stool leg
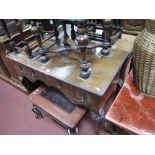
38,114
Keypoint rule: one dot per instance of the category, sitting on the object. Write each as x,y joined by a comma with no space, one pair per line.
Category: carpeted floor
17,118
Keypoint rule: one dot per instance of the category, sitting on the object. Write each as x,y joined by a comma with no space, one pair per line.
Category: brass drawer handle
20,78
59,86
33,74
82,99
21,71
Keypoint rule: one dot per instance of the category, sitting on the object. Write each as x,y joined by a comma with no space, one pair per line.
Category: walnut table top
65,67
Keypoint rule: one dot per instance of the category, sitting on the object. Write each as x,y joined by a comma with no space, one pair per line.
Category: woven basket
144,60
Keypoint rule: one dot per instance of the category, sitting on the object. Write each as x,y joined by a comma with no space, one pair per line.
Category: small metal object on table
132,111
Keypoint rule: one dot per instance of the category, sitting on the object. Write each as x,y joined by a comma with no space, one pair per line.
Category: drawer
51,81
65,87
86,99
81,95
40,76
26,72
65,112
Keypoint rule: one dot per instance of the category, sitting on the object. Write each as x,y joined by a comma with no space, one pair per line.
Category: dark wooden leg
43,55
70,131
109,127
105,50
36,31
73,34
106,34
65,34
119,28
98,119
94,27
38,114
11,42
28,51
82,40
65,30
97,127
73,131
55,29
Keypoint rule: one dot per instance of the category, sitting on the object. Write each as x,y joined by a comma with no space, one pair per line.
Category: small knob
20,78
82,99
82,40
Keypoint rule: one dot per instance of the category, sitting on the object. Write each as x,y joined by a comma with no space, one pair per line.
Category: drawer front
27,72
76,95
82,96
86,99
39,76
51,81
65,87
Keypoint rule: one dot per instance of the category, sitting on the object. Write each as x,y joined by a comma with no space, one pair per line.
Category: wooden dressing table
62,72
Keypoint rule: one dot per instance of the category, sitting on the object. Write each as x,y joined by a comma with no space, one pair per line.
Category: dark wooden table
62,72
132,111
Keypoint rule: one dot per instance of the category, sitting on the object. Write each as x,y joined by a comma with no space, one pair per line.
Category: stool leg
74,131
38,114
56,32
97,127
94,27
65,34
73,34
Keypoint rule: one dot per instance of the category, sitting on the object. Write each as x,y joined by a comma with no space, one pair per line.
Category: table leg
98,118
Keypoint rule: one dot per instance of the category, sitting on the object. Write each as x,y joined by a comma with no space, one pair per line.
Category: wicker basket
144,60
